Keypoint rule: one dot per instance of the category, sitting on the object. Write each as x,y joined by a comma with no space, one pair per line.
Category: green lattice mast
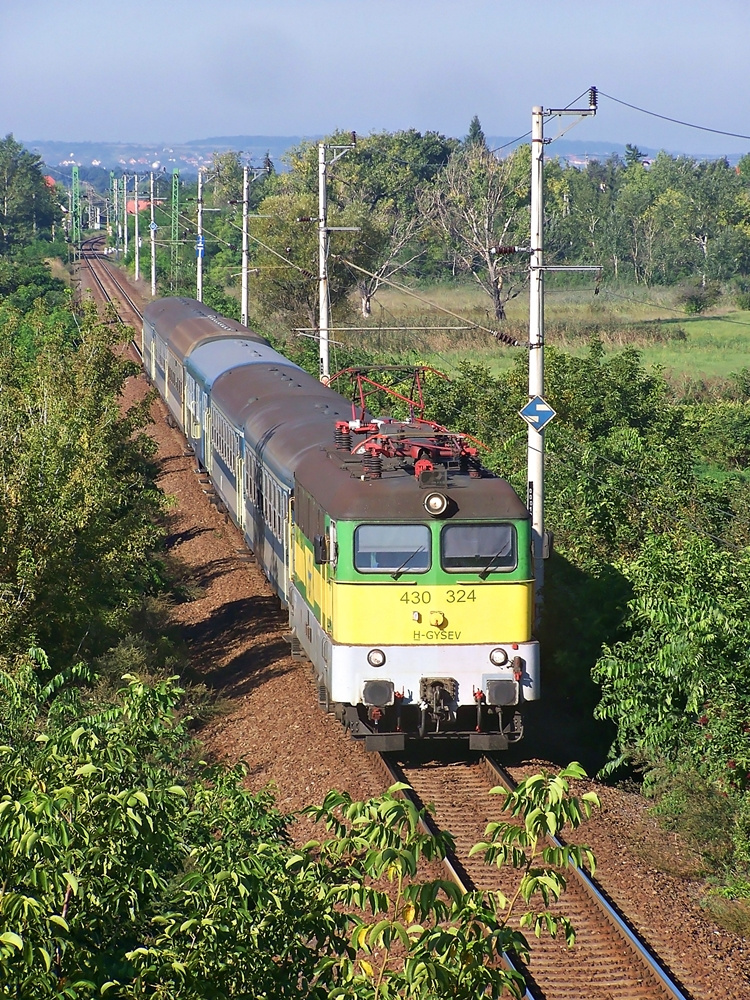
175,226
75,209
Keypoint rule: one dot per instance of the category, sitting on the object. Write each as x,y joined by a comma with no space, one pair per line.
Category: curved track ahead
609,960
108,287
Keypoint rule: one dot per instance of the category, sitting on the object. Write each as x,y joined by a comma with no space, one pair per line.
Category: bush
695,299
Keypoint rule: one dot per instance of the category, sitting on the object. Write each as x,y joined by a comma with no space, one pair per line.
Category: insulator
475,469
593,98
502,251
343,440
505,338
373,466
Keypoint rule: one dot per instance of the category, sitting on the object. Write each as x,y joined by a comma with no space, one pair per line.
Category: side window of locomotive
388,548
478,548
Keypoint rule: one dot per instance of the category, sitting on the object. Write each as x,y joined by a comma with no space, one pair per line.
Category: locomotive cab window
478,548
392,548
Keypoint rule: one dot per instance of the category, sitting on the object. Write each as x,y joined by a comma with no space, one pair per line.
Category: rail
91,253
626,963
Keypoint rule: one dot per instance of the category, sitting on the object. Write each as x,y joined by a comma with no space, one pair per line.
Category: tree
475,135
683,651
27,207
78,504
377,182
122,878
397,254
384,171
478,204
285,239
633,156
227,178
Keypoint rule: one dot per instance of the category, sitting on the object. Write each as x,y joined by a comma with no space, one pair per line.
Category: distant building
143,204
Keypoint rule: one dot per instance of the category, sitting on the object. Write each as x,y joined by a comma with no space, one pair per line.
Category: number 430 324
425,596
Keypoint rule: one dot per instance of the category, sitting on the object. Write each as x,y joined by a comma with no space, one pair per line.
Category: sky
175,70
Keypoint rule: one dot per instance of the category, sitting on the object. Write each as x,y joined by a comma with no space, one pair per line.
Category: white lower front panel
345,669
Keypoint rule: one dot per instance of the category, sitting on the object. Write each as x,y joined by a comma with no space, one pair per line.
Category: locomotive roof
185,323
334,479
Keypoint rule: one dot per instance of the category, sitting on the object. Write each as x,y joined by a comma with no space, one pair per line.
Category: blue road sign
537,413
153,226
199,252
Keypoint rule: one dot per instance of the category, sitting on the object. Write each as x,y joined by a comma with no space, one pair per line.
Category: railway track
609,960
109,288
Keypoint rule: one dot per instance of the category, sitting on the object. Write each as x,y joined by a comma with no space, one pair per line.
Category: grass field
704,348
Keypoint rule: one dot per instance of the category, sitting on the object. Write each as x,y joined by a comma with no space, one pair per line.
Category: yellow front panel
389,614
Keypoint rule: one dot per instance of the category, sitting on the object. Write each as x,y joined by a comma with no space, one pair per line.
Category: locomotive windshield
392,548
478,548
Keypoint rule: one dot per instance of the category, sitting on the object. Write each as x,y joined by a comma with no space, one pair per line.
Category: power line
675,121
433,305
673,309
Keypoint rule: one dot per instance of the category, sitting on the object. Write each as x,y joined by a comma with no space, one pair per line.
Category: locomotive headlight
435,504
376,657
499,657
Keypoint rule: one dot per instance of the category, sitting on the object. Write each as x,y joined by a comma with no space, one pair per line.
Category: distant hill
185,156
189,156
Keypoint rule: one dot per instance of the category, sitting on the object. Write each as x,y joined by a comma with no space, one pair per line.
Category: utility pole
175,246
200,241
112,208
152,227
125,213
136,237
246,181
323,233
540,413
245,201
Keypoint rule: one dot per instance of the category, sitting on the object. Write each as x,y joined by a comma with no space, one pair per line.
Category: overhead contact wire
675,121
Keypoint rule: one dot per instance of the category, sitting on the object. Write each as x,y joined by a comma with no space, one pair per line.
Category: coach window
392,548
478,548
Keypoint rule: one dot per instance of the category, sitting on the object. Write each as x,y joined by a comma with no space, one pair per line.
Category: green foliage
720,432
430,939
121,878
384,172
128,872
696,298
28,208
704,816
689,637
545,807
78,501
476,204
475,136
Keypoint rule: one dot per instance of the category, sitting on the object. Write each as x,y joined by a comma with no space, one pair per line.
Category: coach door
196,407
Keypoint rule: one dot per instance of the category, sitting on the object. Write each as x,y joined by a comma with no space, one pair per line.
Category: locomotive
404,564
